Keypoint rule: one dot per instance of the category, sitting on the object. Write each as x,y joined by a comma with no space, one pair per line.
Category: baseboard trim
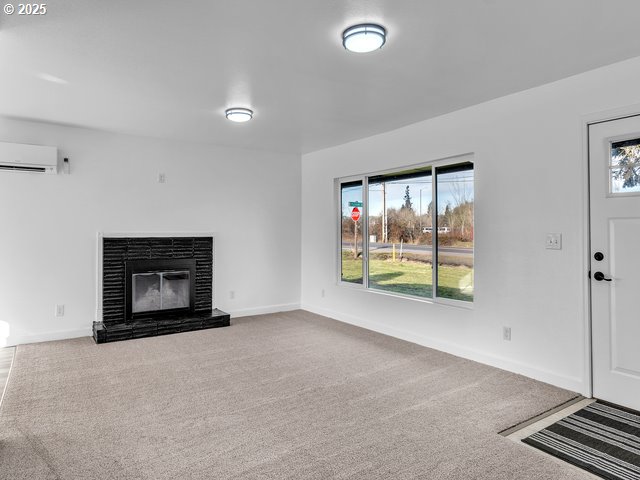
13,340
284,307
573,384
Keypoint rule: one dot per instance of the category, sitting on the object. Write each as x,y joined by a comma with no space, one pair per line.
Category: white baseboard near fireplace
13,340
285,307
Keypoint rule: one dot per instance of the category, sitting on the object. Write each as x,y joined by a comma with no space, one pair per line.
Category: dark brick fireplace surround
118,254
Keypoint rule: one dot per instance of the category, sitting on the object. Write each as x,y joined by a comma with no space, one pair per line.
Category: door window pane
455,231
351,232
624,167
400,233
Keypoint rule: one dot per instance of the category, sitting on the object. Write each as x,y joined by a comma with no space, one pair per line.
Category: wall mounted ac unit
28,158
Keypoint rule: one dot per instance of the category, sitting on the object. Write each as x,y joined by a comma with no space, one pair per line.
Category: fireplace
160,287
154,286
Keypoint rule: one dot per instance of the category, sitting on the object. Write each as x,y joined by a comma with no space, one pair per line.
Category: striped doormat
600,438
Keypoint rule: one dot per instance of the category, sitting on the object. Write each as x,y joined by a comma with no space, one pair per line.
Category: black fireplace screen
161,286
159,291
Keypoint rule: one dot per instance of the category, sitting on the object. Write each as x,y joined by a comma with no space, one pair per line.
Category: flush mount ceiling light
239,115
363,38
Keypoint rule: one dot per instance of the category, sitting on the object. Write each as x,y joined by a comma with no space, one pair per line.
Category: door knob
599,276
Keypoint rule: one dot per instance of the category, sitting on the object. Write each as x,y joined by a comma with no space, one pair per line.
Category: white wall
49,223
530,180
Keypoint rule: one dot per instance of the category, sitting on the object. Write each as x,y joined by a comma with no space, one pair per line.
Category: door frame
585,122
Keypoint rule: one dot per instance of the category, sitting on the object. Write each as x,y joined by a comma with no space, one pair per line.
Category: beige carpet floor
283,396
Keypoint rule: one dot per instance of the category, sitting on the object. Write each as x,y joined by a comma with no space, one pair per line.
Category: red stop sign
355,214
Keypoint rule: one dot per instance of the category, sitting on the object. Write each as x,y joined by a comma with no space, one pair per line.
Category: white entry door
614,169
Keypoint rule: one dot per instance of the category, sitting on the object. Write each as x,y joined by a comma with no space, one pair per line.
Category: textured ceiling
169,69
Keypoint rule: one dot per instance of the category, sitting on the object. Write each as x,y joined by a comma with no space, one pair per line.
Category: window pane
455,231
400,231
625,166
351,232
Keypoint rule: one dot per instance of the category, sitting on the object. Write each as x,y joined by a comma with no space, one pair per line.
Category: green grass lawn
410,277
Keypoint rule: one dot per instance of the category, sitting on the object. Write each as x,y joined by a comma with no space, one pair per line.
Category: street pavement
418,249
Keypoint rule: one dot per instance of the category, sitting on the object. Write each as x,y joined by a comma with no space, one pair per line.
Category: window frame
364,178
365,230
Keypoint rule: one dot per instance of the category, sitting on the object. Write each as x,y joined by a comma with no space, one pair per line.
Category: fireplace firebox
160,287
155,286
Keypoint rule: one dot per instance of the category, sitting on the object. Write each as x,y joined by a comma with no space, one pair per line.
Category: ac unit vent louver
28,158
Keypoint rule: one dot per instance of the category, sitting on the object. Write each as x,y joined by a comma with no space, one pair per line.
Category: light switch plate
554,241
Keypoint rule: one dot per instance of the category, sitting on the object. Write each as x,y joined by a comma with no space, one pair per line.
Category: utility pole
384,213
420,214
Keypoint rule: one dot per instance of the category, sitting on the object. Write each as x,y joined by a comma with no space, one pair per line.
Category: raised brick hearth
118,256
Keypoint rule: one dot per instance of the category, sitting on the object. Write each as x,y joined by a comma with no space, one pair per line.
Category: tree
463,204
626,159
446,219
402,223
430,210
447,212
407,199
428,221
462,216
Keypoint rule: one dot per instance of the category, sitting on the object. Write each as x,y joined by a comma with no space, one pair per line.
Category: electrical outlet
232,294
506,333
162,178
553,241
322,293
59,310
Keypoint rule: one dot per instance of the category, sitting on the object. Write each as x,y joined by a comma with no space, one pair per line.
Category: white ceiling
170,68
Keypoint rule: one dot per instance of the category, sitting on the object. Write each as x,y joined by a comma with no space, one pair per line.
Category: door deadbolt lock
599,256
